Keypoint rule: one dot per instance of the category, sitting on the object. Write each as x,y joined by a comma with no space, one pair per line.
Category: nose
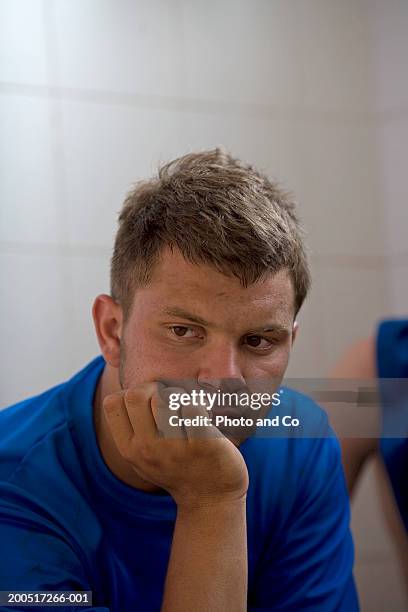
218,364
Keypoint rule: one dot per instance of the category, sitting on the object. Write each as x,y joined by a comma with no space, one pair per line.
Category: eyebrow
184,314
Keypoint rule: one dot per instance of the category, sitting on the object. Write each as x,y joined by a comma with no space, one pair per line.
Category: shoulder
33,422
43,484
27,423
37,453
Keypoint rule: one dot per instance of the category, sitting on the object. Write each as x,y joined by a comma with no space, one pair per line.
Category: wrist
211,504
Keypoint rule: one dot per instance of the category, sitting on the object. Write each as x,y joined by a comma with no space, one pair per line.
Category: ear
108,320
294,331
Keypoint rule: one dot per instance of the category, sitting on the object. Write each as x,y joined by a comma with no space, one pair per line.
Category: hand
198,466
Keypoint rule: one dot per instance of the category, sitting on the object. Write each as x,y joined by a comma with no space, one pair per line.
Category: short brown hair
216,210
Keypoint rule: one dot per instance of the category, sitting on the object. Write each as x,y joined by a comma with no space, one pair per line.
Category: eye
255,342
180,331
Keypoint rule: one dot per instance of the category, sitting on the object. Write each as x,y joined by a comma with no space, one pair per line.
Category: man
208,274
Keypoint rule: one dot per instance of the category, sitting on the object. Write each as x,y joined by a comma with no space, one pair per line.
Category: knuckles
113,401
135,396
143,454
141,393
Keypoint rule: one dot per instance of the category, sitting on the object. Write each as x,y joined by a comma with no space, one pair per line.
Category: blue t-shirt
392,369
68,524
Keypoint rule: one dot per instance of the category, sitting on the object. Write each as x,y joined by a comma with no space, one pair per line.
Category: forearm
208,561
355,453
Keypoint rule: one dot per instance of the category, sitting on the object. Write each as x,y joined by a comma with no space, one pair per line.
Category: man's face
192,322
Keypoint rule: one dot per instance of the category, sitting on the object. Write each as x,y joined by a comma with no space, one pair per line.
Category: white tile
393,155
271,53
351,300
28,210
35,326
333,54
46,319
340,189
390,50
265,53
128,46
241,51
398,278
106,150
89,277
22,42
344,305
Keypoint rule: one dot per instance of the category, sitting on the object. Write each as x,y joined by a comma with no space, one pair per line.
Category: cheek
147,360
139,359
282,358
271,366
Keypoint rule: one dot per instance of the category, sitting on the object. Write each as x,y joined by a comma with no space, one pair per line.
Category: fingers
161,411
197,422
145,413
188,421
129,416
115,412
139,410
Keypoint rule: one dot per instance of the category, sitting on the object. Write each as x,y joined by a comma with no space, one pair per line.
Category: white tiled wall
23,42
389,31
29,209
93,95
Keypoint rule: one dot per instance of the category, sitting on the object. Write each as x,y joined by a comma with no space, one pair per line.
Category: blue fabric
392,363
67,523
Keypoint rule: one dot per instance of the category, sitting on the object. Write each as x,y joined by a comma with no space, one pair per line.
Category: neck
109,383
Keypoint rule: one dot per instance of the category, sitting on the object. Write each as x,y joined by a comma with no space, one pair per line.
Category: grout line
102,251
363,261
44,249
156,102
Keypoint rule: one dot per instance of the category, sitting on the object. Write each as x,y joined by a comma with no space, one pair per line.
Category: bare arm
357,362
355,452
208,562
208,479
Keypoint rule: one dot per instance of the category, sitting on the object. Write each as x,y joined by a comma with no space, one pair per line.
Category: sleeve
308,568
36,556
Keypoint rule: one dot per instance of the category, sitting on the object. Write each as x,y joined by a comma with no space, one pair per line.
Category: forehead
177,282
